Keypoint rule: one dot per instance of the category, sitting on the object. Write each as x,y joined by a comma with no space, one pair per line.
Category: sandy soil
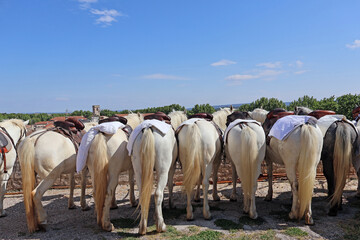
272,224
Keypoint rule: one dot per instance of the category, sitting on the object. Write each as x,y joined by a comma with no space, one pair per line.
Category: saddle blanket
325,122
236,122
159,125
107,128
190,121
285,125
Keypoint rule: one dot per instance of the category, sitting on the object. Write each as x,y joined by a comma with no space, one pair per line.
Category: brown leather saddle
5,145
237,115
356,112
159,116
114,119
271,118
320,113
206,116
127,129
70,124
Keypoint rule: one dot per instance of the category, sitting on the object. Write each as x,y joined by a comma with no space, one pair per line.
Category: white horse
245,147
301,152
49,154
16,129
151,150
219,117
199,154
259,114
177,117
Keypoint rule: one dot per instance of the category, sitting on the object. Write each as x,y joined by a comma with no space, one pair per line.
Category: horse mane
259,114
177,117
134,119
220,117
16,122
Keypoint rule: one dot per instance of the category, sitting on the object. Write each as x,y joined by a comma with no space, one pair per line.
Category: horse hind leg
84,205
197,192
2,194
206,208
132,189
159,196
110,195
291,175
270,180
171,185
216,166
71,204
233,196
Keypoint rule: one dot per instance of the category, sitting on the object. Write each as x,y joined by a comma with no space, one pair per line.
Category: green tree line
341,105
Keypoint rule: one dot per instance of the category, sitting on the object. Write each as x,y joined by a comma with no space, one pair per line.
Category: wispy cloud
355,44
270,64
299,64
160,76
85,4
223,62
106,17
238,79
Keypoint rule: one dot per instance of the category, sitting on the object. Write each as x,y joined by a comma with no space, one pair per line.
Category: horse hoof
114,207
216,198
233,198
4,214
42,227
86,208
110,227
268,199
208,218
72,207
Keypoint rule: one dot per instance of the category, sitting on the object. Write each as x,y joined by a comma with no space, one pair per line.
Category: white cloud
355,44
299,64
85,4
237,79
106,17
269,73
223,62
160,76
270,64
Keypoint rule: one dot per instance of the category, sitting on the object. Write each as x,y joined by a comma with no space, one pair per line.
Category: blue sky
58,55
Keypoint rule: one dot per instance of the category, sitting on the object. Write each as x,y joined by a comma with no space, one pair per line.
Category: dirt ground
228,220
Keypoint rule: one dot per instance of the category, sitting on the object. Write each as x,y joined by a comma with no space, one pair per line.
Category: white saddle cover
325,122
107,127
159,125
285,125
236,122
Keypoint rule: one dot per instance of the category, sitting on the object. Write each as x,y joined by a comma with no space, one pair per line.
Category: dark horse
340,145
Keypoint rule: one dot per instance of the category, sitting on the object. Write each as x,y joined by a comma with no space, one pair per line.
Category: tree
202,108
346,103
305,101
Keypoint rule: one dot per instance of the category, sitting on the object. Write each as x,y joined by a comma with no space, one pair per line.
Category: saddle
159,116
114,119
356,112
278,113
3,141
70,124
127,129
237,115
320,113
206,116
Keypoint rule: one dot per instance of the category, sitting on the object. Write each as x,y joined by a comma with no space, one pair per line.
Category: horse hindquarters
191,158
26,159
99,159
342,160
147,161
310,149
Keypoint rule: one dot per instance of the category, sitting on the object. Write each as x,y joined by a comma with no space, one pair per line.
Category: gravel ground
273,222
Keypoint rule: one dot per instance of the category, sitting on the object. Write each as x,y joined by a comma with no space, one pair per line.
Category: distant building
96,113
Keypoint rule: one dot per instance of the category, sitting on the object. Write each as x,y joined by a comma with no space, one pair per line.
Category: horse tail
248,164
100,174
147,157
307,164
27,158
193,157
342,161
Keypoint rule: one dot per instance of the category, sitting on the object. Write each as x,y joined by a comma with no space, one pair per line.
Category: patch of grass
245,220
171,232
193,229
228,224
295,232
125,223
268,235
204,235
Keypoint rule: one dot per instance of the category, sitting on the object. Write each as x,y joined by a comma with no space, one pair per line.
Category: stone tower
96,113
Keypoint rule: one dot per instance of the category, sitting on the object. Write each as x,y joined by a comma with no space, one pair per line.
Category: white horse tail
26,158
147,170
307,164
248,164
193,158
342,161
100,174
